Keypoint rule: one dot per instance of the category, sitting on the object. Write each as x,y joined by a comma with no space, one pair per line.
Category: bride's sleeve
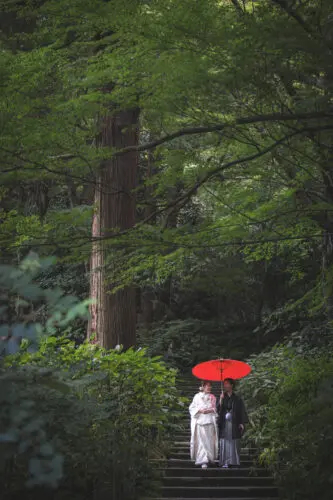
194,407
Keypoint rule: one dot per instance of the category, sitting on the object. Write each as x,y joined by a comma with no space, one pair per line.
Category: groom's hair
231,381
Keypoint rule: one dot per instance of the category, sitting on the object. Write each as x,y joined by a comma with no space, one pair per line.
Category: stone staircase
182,480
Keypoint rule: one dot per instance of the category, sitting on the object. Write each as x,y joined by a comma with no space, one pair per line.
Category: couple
209,420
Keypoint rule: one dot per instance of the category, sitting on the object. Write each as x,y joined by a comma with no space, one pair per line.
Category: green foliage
106,413
21,293
291,396
184,343
252,262
267,370
22,425
78,419
259,187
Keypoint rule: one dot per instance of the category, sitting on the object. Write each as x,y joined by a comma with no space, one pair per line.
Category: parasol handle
221,359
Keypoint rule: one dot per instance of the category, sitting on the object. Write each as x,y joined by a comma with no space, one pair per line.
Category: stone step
221,480
215,472
186,437
191,387
179,444
183,455
189,392
188,381
184,463
182,480
207,498
183,442
248,492
183,446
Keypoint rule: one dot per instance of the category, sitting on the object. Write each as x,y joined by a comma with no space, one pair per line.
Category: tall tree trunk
327,243
113,315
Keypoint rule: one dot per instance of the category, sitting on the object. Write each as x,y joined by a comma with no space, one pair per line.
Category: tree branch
284,5
273,117
65,174
239,161
169,244
237,6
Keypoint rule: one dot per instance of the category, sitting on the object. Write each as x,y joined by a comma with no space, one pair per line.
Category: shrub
267,370
292,419
107,414
77,422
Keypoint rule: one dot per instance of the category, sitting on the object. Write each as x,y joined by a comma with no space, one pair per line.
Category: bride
204,433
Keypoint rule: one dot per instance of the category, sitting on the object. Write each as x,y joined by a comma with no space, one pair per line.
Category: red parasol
218,370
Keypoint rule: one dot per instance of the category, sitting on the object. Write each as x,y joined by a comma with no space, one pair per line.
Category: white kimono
204,431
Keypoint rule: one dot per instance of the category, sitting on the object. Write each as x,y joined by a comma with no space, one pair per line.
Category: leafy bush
107,413
22,430
267,370
81,420
22,298
292,418
300,429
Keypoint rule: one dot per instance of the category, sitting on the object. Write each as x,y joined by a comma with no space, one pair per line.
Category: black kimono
231,414
239,414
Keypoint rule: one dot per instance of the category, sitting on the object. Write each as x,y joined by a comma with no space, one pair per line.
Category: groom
232,419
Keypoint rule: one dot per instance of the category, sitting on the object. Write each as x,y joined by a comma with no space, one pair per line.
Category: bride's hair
203,384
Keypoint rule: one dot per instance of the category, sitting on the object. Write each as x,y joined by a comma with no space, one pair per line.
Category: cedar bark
113,315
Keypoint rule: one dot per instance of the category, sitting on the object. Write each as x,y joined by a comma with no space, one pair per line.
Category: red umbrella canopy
220,369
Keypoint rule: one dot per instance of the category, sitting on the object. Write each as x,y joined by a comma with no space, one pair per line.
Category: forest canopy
174,158
155,144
